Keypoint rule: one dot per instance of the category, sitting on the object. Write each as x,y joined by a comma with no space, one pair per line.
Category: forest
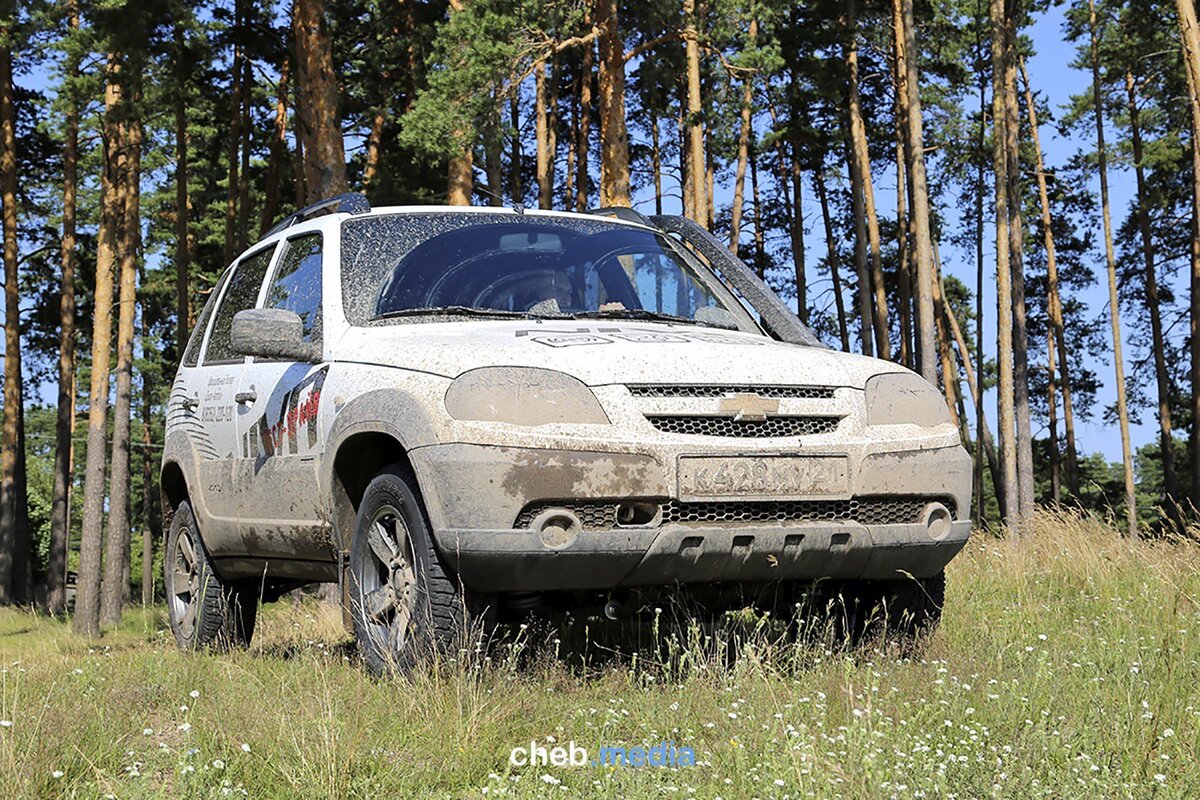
146,143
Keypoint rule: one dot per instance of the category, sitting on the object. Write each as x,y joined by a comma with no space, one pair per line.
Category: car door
277,478
216,385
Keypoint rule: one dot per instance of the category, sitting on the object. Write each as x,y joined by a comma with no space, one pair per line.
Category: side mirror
271,333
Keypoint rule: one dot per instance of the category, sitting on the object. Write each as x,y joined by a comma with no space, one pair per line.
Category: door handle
191,403
242,398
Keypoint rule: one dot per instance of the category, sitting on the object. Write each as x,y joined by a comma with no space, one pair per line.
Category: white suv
462,413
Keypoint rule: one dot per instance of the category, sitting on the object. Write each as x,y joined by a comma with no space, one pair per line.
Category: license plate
775,477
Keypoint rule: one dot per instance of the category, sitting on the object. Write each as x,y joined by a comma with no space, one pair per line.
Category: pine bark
112,202
743,154
862,162
1162,381
117,543
60,509
279,152
697,167
1004,321
1054,299
614,138
235,129
1111,262
797,232
983,433
318,123
923,238
545,155
183,250
14,523
832,257
1189,35
1025,483
584,133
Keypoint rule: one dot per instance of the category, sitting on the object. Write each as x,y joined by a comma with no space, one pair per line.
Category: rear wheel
404,603
203,610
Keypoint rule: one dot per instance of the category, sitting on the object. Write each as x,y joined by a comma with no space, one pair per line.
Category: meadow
1067,665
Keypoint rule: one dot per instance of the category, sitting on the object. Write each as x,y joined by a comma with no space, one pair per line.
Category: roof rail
622,213
350,202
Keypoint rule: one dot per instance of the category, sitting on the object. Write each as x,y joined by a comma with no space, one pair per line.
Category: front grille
601,515
709,425
598,516
720,390
865,510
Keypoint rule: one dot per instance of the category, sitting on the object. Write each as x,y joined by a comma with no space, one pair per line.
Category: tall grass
1067,665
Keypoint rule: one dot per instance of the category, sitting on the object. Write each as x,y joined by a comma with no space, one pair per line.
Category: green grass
1068,665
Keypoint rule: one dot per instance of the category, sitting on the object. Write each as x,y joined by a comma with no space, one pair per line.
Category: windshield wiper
448,311
637,313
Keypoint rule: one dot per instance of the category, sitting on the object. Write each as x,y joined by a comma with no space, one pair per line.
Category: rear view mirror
273,333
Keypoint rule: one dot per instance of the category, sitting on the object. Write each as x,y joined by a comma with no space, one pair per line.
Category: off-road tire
204,612
441,612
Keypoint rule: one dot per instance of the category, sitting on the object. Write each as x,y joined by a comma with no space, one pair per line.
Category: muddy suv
461,414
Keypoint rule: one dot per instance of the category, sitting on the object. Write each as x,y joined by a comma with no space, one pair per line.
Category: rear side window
242,294
297,283
191,356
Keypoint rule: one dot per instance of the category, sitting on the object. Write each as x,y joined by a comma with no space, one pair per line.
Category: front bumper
475,494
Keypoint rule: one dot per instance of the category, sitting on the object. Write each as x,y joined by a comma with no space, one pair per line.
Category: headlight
899,398
522,396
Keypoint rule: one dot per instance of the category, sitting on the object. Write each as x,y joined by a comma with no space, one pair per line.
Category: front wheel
404,602
203,610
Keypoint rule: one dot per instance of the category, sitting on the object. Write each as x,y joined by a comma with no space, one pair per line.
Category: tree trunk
279,150
1054,299
1111,261
14,527
183,298
516,185
545,158
614,139
1189,34
903,192
1004,320
760,254
1052,420
945,353
1162,381
861,167
243,205
695,116
151,513
656,164
982,433
60,509
743,152
980,190
112,203
860,256
1025,484
116,546
318,123
831,249
493,158
235,130
926,345
582,182
797,231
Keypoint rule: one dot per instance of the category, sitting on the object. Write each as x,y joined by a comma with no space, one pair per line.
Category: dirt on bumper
479,497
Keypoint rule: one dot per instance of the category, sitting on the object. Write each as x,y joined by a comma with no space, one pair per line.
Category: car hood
602,352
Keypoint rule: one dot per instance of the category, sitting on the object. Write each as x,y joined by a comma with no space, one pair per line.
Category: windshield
486,264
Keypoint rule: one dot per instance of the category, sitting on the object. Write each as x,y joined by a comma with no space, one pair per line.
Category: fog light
937,520
557,527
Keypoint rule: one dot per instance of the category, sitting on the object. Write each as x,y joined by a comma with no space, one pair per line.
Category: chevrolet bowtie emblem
748,407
